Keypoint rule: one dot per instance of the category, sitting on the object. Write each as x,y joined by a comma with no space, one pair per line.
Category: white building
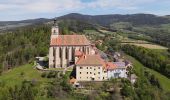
116,70
90,68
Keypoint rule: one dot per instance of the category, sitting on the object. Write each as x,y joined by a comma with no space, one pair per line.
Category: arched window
54,31
66,53
60,52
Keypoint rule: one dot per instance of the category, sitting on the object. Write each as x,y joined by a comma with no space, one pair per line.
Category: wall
87,72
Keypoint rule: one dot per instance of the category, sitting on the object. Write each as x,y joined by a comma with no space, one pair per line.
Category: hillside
8,25
156,27
101,20
106,20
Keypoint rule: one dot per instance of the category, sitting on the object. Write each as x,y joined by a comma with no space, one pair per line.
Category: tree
167,68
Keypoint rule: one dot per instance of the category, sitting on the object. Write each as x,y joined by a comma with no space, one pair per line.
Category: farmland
148,45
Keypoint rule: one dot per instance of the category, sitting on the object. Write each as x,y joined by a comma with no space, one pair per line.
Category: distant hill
5,25
93,20
106,20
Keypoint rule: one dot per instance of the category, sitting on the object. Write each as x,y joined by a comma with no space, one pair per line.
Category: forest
149,58
23,45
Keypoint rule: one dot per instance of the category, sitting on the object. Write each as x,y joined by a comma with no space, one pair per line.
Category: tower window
54,31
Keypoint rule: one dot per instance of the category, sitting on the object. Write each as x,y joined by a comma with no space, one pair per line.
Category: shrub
51,74
22,73
44,74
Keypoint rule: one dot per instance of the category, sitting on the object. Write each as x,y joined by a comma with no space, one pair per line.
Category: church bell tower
55,30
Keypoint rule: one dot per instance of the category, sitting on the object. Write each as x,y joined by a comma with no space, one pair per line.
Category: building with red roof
64,48
90,68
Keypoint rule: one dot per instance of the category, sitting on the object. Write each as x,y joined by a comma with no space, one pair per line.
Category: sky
11,10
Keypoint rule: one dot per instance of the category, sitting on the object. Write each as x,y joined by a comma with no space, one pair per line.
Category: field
164,81
143,43
149,46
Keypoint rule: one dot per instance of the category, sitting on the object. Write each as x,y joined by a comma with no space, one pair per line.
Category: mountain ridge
101,20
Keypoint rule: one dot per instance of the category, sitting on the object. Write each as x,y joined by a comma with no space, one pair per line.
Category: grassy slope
164,81
14,77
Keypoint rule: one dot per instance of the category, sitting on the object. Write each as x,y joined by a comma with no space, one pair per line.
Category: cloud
40,5
35,7
44,6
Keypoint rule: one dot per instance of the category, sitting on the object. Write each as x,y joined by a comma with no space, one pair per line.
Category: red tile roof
90,60
69,40
110,66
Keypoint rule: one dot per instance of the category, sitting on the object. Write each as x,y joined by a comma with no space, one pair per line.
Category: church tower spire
55,29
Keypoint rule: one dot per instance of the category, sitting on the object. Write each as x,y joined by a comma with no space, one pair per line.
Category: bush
51,74
22,73
44,74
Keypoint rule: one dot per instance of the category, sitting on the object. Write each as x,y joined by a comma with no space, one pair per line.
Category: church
67,50
63,48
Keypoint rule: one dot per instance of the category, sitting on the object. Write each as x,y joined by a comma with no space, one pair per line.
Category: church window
60,52
66,53
54,51
88,50
83,49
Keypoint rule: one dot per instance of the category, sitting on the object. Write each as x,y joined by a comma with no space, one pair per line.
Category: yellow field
149,46
104,31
